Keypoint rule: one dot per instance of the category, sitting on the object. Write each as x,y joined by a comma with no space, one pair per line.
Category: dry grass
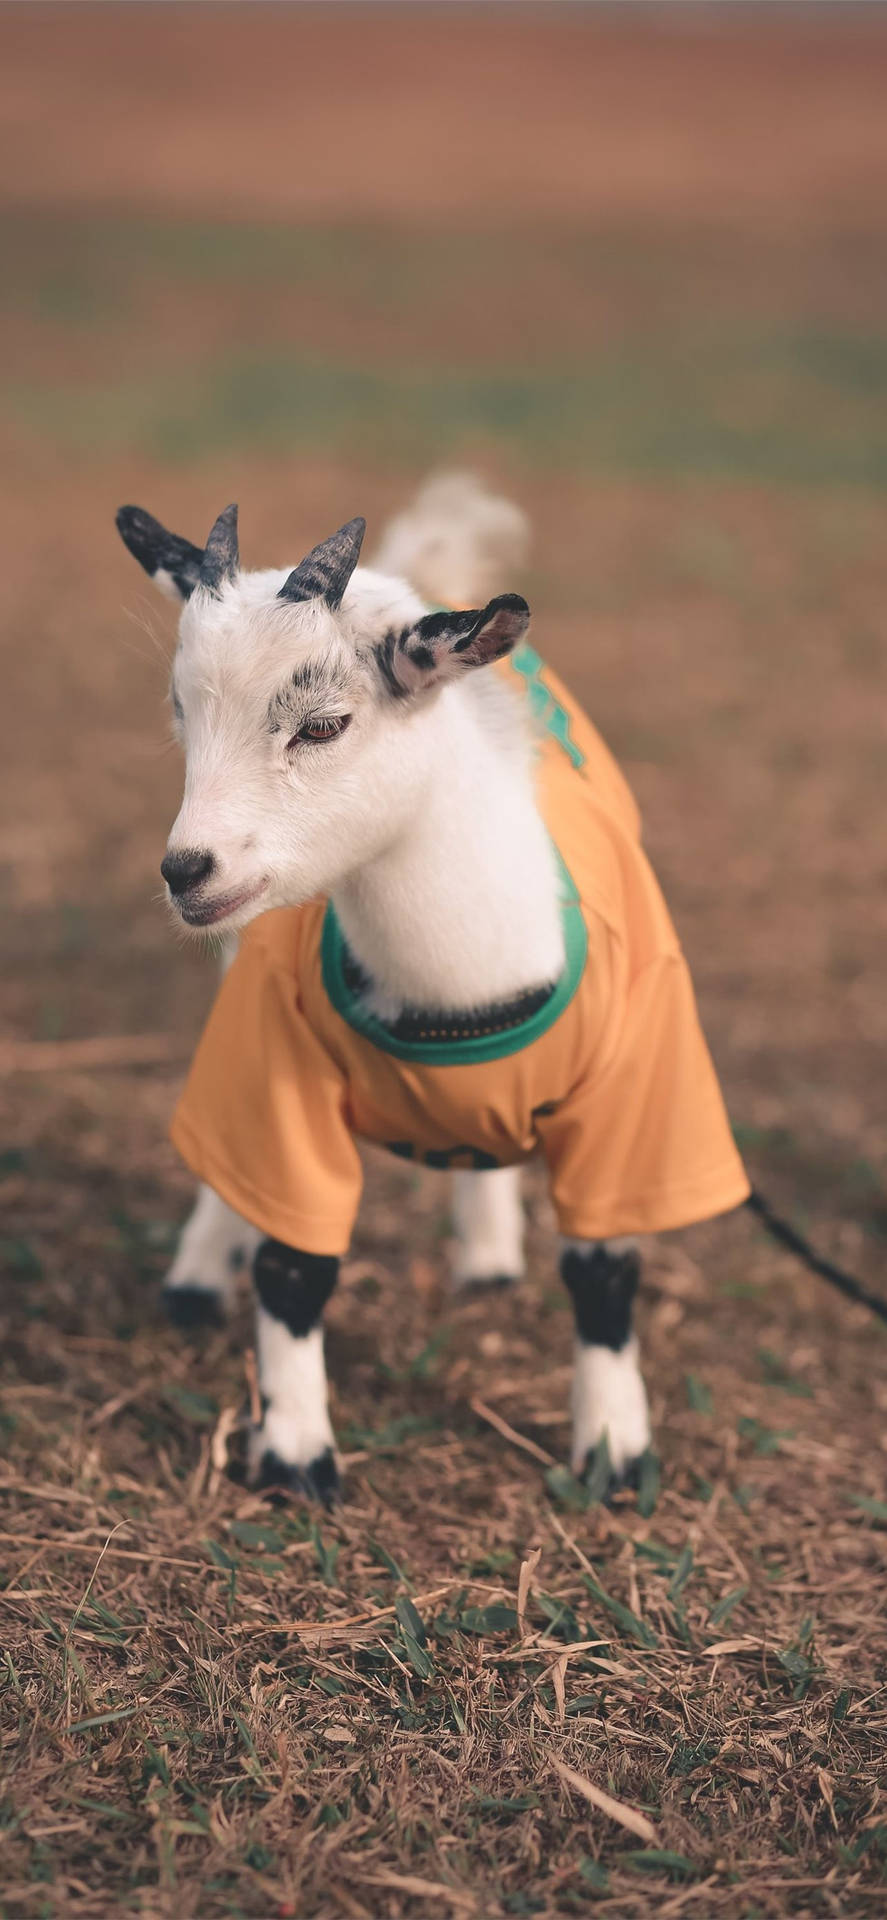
219,1706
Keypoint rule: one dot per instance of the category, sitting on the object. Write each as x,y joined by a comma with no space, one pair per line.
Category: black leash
788,1237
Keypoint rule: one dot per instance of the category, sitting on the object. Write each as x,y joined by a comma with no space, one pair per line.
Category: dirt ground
633,268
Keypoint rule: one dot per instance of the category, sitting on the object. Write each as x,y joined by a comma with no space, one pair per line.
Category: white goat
439,983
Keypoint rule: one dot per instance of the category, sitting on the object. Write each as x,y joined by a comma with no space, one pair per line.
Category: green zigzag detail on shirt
544,707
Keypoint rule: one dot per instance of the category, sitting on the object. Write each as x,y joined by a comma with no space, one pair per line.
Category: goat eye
317,732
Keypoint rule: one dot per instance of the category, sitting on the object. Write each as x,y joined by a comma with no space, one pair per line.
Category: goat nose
184,870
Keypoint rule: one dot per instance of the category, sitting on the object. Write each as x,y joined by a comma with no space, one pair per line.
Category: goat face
302,702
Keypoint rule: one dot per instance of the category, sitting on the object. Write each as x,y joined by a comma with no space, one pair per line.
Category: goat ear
326,570
442,645
173,563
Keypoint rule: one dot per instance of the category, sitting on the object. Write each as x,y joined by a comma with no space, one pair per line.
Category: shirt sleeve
645,1144
263,1117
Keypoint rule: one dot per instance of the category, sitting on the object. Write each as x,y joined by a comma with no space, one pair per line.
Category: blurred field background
632,266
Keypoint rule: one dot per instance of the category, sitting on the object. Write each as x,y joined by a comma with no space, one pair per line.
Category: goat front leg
488,1218
215,1245
293,1444
609,1396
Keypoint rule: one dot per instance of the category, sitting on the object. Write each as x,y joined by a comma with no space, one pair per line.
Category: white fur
624,1243
460,907
166,584
292,1373
212,1239
456,543
609,1397
489,1221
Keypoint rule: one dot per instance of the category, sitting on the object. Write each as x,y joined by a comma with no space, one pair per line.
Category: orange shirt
611,1080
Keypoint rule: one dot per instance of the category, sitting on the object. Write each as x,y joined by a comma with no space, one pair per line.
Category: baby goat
470,960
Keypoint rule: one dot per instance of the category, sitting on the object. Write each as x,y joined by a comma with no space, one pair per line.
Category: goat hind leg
215,1245
488,1218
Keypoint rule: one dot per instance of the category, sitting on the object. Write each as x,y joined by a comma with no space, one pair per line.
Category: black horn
221,557
326,570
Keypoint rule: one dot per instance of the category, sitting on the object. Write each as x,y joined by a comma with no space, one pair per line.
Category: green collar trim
477,1047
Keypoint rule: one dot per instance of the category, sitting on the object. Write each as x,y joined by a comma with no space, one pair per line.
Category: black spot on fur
294,1287
385,655
320,1480
494,629
310,689
190,1307
603,1286
442,625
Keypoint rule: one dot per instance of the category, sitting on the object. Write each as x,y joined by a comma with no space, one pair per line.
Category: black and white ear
326,570
176,566
173,563
442,645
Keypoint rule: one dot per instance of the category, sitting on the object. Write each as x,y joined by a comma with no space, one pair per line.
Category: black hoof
629,1480
489,1282
319,1481
191,1307
602,1480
